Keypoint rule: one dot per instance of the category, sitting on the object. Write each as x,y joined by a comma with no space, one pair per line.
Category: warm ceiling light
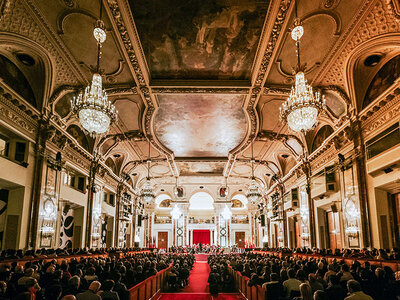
176,212
301,109
226,213
94,110
253,193
147,193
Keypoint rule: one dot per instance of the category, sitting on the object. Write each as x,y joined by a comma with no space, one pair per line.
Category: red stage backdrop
201,236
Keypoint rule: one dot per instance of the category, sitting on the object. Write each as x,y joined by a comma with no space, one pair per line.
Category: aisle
197,289
198,276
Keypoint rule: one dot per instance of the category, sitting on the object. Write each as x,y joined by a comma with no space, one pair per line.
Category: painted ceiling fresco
197,39
204,168
193,125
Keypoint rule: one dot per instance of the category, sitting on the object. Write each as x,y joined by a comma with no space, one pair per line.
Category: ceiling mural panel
194,39
201,168
200,125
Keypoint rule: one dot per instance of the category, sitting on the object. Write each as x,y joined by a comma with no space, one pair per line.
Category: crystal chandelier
226,213
253,193
95,112
301,109
148,189
176,212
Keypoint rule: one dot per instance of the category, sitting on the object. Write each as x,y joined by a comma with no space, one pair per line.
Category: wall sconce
47,231
351,210
176,212
137,239
96,213
96,235
48,212
352,231
305,236
304,214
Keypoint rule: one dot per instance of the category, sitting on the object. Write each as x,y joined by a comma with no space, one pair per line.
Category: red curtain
201,236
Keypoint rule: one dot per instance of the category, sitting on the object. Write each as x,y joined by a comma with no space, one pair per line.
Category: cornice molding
62,50
199,90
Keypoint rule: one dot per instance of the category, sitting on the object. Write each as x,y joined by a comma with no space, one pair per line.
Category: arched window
201,201
323,133
385,77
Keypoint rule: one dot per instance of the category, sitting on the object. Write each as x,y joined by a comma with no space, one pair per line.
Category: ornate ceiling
201,79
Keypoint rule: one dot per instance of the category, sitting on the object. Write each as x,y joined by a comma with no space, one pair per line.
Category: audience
280,274
308,278
107,278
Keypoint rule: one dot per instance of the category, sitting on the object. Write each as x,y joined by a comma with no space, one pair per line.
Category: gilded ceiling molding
384,111
119,22
261,75
121,90
330,13
273,39
265,135
394,8
277,90
198,90
377,21
61,91
66,13
68,3
17,117
4,6
292,74
145,91
329,4
67,69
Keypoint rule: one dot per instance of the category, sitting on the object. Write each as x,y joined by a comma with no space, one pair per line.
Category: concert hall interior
209,144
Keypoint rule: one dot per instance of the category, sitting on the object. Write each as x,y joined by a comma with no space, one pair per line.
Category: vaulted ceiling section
202,79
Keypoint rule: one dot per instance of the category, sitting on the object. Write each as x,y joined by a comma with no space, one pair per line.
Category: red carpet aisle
198,276
200,297
197,289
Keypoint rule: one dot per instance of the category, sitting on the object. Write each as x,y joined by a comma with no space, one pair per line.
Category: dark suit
273,290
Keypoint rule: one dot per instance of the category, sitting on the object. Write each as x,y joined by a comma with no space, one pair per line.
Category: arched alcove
163,201
63,105
239,201
16,80
111,164
363,65
78,134
382,80
323,133
27,68
201,201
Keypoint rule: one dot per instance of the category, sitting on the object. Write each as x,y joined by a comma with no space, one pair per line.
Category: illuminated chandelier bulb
99,32
300,110
147,191
253,193
226,213
297,31
176,212
94,110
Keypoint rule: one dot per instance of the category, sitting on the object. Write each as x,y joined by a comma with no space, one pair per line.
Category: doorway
395,204
335,241
240,237
163,239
